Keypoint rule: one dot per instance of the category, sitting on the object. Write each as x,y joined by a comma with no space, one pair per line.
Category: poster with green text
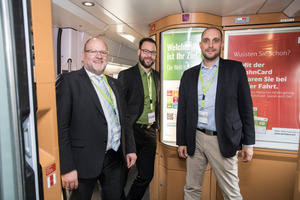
180,51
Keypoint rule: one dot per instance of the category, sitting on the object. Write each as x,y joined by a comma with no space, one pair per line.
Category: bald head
94,39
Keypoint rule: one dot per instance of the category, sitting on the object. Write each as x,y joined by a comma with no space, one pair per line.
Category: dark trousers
112,180
145,140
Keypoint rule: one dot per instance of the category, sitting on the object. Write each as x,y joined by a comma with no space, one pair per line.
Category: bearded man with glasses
141,86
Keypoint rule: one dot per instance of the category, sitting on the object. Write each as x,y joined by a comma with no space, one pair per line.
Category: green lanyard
205,89
149,80
108,99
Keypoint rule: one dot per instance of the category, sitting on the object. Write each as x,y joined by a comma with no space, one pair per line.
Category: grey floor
131,175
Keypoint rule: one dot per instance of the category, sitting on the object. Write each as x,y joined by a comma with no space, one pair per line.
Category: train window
9,154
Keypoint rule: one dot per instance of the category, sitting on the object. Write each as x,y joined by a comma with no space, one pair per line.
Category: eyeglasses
146,51
95,52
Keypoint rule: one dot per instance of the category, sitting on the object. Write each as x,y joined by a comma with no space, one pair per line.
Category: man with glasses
95,136
141,86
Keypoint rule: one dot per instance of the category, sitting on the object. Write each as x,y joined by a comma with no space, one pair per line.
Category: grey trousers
225,169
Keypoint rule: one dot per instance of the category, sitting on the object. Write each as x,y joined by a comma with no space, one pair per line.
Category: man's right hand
182,152
70,180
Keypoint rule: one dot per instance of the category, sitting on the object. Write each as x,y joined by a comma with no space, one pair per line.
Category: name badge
203,116
151,117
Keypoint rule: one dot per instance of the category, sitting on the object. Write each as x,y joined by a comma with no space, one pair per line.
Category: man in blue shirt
215,119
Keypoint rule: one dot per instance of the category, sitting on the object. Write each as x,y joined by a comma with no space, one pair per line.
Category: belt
145,126
207,132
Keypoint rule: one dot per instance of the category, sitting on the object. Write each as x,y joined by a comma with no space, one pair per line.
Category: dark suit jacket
82,127
132,84
233,108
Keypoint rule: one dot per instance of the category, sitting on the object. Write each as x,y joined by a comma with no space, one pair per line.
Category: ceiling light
88,3
127,36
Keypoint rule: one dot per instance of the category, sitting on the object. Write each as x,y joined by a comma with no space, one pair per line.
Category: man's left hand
131,158
247,153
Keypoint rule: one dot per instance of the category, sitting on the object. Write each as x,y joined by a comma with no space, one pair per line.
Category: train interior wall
271,175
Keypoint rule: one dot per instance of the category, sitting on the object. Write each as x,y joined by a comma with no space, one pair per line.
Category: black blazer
132,84
82,127
233,108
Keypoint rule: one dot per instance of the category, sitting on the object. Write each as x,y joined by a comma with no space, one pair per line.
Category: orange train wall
46,100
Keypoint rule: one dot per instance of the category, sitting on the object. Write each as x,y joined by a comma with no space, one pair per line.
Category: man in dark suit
215,119
141,86
95,136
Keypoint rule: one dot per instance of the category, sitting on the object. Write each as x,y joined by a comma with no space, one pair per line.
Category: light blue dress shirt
210,97
105,110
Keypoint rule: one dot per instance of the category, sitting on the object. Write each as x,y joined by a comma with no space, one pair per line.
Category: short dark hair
147,40
210,28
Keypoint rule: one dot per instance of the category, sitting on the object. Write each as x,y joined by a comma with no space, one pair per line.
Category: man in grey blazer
215,119
95,136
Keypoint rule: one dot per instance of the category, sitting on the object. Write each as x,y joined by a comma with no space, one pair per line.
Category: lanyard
109,98
205,89
149,80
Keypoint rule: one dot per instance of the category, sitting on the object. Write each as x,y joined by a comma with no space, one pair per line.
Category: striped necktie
112,115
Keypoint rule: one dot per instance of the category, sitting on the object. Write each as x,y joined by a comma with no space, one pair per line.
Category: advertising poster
180,51
271,58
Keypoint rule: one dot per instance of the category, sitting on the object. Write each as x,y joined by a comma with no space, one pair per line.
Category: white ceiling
133,17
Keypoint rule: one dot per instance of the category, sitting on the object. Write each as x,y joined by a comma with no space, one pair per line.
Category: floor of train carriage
131,175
